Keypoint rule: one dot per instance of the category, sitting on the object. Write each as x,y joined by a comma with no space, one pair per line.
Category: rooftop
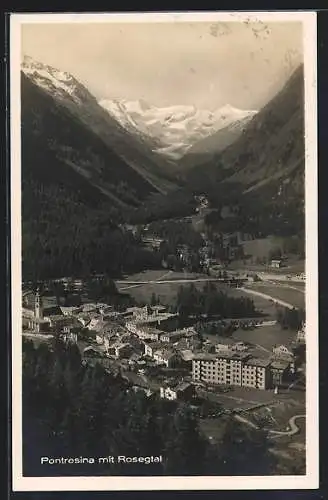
279,365
166,353
258,362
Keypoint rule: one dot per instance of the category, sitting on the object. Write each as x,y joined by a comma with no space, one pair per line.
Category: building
34,319
152,241
152,347
276,263
231,368
171,337
119,350
279,371
300,337
142,331
70,337
71,310
182,391
256,374
186,358
166,357
224,345
282,353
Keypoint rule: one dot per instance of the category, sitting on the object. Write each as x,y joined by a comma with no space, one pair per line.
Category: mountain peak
176,128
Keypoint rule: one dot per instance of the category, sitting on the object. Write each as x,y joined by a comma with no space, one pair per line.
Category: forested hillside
63,400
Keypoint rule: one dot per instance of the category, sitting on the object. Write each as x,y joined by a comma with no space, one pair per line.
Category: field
165,291
291,295
265,336
262,247
264,306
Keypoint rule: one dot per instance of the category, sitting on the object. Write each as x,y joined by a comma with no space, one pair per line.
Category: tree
154,300
185,448
245,451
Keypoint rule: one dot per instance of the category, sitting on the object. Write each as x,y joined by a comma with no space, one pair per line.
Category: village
148,348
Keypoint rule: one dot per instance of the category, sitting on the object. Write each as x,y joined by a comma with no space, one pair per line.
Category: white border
311,479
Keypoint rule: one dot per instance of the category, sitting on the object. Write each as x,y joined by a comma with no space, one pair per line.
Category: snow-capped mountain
72,95
59,83
177,128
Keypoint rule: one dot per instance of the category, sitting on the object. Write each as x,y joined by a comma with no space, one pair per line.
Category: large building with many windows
232,368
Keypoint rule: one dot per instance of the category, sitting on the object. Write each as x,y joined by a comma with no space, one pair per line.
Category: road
293,427
291,431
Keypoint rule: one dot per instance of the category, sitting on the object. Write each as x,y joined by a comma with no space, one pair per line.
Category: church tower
38,305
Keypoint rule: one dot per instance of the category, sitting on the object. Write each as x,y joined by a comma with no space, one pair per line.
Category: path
268,297
293,427
135,284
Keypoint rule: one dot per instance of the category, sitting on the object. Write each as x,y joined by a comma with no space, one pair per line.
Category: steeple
38,306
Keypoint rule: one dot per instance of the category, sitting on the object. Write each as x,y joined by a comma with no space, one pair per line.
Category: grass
290,295
265,336
267,308
262,247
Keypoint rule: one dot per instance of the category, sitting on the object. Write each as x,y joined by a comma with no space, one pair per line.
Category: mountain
206,148
271,145
72,96
264,168
75,186
174,131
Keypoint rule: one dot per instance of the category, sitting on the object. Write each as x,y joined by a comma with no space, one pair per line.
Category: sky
191,63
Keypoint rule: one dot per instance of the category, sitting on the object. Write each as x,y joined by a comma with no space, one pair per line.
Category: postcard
164,251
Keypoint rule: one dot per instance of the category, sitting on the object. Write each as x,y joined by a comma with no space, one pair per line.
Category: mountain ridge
68,91
173,129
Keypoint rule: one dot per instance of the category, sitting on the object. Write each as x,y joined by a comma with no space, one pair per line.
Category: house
84,319
158,309
152,242
63,323
282,353
166,357
70,337
223,345
186,358
142,331
94,323
119,350
152,347
69,311
276,263
188,343
279,372
300,337
171,337
282,350
239,346
182,391
89,307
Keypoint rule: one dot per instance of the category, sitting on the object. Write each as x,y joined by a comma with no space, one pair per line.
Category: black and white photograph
164,269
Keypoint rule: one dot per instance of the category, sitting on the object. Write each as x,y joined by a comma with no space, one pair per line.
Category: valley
163,264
